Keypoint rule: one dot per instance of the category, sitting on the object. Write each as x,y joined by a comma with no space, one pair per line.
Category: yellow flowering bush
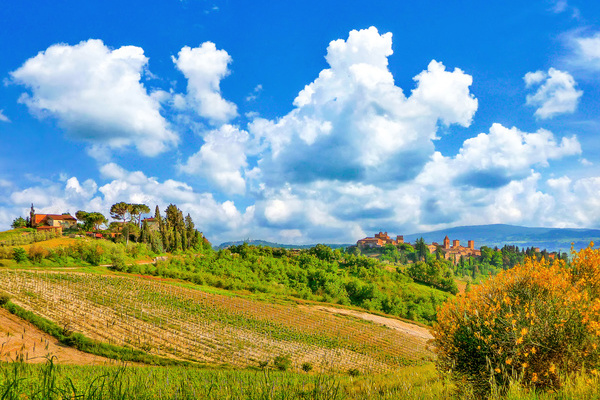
531,323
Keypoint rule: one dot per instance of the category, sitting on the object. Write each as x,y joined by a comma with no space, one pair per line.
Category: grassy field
51,381
56,242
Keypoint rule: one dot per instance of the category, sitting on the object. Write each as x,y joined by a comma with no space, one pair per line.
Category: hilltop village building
380,240
454,252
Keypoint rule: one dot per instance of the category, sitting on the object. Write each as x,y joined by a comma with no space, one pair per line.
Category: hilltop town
452,253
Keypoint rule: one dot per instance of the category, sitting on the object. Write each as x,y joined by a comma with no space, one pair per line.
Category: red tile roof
61,217
37,218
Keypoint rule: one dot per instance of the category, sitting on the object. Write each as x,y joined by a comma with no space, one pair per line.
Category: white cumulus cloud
555,95
95,93
505,154
221,159
218,219
352,123
205,67
585,50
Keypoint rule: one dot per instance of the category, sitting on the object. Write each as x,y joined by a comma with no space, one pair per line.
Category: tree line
168,233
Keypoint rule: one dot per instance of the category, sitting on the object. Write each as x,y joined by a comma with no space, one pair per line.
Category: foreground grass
51,381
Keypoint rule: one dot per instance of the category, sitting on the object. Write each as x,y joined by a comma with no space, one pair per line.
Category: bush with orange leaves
532,324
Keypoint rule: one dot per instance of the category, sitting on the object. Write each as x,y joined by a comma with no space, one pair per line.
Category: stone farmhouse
51,222
43,222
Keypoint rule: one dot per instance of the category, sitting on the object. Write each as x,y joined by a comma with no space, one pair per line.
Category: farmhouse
54,222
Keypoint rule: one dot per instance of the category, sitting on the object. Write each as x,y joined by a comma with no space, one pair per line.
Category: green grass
53,382
12,233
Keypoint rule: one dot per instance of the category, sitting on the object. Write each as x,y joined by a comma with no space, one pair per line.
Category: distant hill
277,245
552,239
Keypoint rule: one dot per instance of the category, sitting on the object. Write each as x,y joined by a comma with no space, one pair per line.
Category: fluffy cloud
55,197
221,159
3,117
556,93
355,155
218,219
353,123
576,203
95,93
205,67
503,155
492,179
586,50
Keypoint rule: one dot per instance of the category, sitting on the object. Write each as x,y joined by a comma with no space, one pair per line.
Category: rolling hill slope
215,328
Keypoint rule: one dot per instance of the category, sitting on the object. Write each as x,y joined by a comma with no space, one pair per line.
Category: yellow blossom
519,340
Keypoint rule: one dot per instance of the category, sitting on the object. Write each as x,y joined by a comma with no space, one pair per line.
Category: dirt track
404,327
20,338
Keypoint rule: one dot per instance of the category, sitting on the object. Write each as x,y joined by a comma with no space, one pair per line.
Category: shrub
117,259
282,363
37,253
307,367
4,298
94,254
6,252
529,324
19,254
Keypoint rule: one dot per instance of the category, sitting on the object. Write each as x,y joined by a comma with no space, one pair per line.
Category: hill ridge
491,235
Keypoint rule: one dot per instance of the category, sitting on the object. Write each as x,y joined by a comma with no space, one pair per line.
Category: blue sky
305,122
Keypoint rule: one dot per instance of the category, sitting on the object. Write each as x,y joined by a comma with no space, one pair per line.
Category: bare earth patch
19,337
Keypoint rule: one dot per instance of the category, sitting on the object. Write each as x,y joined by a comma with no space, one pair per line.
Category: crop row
174,321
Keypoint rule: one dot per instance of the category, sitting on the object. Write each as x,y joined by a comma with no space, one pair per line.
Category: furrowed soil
20,339
220,329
